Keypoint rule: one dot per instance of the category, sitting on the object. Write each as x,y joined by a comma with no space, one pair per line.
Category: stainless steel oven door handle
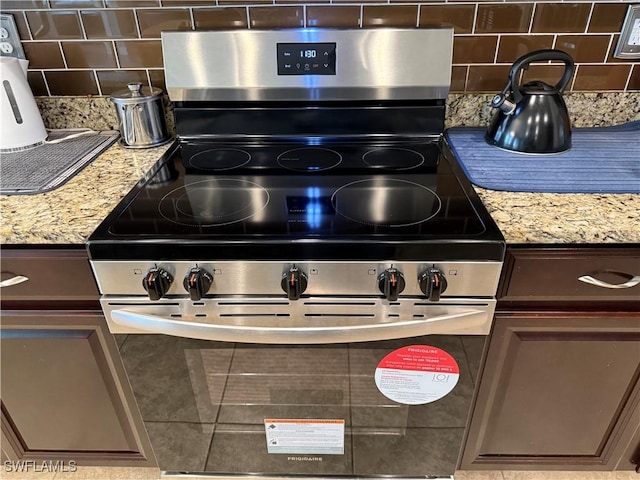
451,324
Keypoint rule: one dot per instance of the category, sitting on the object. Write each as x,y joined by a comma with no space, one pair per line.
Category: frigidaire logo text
304,459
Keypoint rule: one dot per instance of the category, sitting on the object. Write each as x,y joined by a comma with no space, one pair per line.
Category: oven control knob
197,282
432,283
391,283
156,282
294,283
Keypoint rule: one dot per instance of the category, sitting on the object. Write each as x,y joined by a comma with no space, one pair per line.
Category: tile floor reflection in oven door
208,407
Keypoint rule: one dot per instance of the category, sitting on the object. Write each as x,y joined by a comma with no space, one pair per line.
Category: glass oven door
395,407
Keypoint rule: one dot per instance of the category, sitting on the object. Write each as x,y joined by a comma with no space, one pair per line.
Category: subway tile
140,53
24,4
158,79
460,17
76,4
549,74
344,16
512,47
276,17
37,83
607,17
89,54
299,1
220,18
153,21
612,51
188,3
131,3
505,18
584,48
54,25
114,80
390,16
110,24
458,78
21,24
601,77
560,17
474,49
242,2
487,78
634,81
43,55
71,82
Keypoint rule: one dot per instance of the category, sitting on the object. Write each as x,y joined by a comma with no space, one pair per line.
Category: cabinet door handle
631,280
13,281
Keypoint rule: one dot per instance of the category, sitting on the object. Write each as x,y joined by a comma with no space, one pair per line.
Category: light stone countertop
70,213
567,218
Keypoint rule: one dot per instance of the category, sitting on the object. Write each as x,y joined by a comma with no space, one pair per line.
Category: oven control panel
294,280
306,58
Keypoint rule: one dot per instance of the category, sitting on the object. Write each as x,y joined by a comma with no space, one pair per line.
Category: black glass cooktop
284,194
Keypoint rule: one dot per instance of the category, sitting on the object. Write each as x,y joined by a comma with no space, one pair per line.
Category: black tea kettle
532,118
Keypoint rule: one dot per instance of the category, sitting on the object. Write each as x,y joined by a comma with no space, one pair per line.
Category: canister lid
135,93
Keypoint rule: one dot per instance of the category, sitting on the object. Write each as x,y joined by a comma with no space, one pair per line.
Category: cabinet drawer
554,274
52,274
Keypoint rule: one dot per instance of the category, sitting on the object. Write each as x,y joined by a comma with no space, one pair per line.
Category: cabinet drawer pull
13,281
631,280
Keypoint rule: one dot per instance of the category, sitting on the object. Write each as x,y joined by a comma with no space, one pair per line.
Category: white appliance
22,125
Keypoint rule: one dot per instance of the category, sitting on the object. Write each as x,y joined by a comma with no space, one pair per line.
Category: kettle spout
506,106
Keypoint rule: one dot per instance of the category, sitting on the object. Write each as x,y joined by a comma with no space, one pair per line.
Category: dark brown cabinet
560,382
64,392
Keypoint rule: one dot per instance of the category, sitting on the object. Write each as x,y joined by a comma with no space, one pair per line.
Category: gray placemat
600,160
49,166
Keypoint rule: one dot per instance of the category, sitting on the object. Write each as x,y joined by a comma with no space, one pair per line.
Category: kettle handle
540,56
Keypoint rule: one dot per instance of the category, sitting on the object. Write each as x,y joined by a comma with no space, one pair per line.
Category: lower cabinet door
64,393
558,391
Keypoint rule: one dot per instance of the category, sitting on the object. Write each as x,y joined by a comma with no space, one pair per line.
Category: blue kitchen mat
601,160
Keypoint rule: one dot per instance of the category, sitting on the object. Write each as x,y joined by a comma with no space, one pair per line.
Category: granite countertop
68,214
566,218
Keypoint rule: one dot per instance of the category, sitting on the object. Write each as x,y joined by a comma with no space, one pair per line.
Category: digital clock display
306,58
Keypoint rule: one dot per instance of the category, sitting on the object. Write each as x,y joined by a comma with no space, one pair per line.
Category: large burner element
386,202
216,201
309,159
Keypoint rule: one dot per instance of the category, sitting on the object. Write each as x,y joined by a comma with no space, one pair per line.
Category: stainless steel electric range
306,279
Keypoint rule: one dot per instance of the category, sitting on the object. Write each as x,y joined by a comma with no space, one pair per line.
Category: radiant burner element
396,158
220,159
386,202
309,159
214,202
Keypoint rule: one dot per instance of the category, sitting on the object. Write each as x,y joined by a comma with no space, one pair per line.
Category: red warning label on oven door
417,374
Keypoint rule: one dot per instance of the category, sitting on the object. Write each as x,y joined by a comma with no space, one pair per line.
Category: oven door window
209,406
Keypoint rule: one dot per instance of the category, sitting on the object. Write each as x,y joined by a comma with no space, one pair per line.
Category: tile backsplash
94,47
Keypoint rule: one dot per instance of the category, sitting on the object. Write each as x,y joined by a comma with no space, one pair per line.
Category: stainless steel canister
141,116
